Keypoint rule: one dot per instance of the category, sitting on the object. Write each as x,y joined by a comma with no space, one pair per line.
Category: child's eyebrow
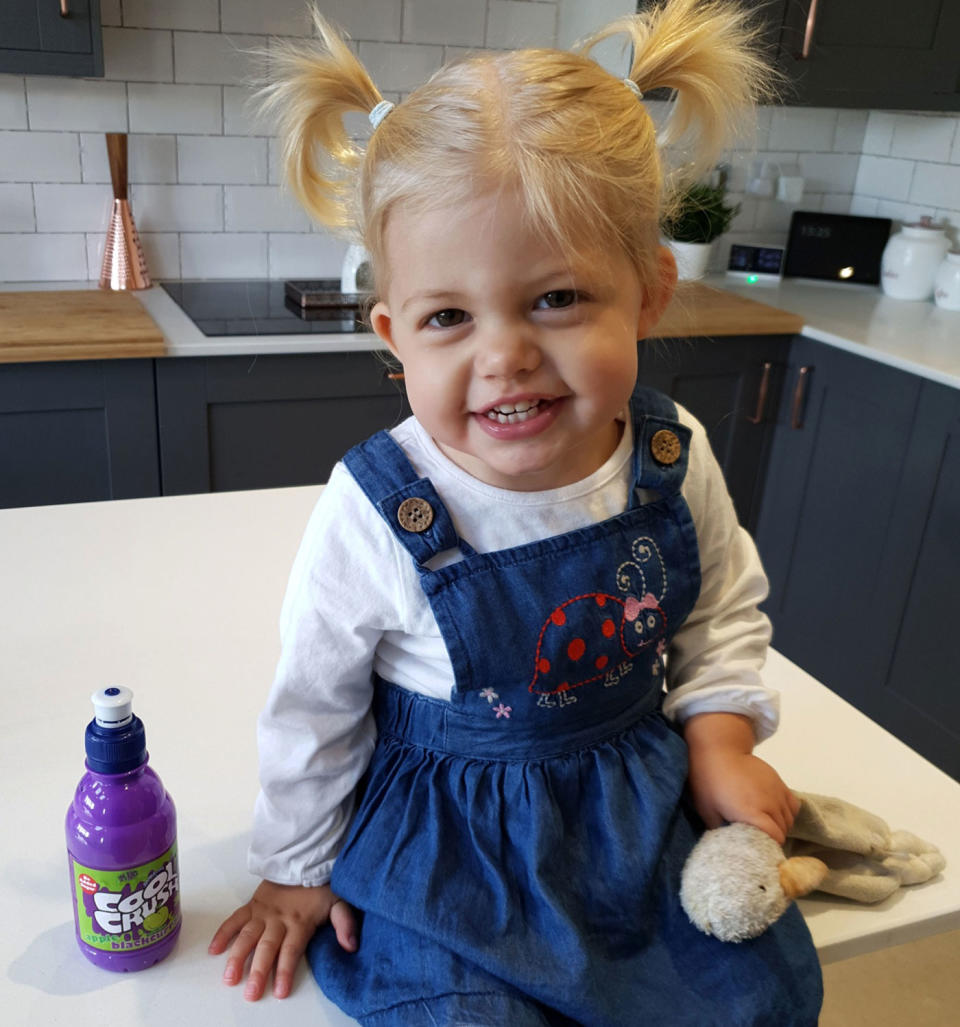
447,295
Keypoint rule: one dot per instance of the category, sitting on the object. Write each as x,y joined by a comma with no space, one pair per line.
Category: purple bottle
122,845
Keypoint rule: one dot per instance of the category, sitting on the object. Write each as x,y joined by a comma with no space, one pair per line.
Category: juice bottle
122,844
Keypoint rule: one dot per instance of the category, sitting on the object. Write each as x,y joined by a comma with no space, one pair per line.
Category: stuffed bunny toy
738,880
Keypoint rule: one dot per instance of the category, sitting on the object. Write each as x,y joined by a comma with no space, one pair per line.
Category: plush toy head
736,881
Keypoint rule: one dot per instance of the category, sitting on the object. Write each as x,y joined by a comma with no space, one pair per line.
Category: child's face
516,360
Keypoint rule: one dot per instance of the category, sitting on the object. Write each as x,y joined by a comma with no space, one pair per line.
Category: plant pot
692,258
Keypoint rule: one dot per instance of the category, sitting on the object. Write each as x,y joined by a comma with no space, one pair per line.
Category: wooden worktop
76,325
94,324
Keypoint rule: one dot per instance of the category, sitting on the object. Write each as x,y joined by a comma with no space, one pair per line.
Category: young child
477,795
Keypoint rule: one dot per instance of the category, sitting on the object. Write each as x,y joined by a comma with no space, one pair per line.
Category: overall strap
409,504
661,444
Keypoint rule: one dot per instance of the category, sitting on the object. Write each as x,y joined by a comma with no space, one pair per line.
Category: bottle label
125,910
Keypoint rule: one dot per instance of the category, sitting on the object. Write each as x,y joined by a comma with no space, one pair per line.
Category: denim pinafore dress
516,852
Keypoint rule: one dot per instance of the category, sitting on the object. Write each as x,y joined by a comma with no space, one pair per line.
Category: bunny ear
800,875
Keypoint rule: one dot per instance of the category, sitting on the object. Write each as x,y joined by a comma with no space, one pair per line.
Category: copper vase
123,265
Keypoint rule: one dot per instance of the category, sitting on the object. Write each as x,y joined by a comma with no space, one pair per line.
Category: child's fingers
264,957
242,946
228,930
344,922
288,959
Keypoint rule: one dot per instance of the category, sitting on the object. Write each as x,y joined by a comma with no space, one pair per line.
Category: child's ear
382,324
658,293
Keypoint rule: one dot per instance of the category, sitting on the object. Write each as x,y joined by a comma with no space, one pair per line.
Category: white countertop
914,336
178,597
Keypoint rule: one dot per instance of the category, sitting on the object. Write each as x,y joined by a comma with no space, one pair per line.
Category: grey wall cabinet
77,431
230,423
51,37
731,385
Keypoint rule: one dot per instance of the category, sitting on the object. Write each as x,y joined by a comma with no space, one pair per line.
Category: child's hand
276,925
729,784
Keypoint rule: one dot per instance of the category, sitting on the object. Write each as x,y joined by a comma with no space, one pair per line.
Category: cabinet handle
762,394
395,376
808,31
64,8
799,397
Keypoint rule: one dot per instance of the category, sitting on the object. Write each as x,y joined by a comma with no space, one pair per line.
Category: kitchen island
178,598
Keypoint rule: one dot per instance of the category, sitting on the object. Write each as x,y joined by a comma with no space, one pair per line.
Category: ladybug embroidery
594,636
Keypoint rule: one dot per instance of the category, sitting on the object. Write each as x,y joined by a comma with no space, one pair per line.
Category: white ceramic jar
946,286
911,259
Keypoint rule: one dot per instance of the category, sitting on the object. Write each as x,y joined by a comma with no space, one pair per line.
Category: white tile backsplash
205,185
76,105
137,55
175,108
39,157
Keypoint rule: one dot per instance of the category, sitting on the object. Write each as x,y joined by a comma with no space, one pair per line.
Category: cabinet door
871,53
731,385
267,421
837,461
917,698
51,37
76,431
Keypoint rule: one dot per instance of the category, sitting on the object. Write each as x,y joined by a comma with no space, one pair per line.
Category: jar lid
925,224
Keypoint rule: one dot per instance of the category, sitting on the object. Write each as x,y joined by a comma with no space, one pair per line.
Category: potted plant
697,217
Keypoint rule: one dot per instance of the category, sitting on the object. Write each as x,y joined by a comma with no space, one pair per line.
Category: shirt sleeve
316,733
716,656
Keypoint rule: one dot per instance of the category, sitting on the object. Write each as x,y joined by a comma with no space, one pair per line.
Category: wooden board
89,324
697,310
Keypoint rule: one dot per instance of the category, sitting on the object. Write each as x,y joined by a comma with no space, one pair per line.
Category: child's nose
507,351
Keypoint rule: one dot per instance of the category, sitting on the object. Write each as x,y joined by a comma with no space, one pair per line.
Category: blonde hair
574,139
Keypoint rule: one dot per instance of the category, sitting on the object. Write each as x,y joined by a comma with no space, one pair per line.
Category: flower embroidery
489,694
502,711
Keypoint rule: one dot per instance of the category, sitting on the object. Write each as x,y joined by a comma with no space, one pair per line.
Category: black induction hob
260,306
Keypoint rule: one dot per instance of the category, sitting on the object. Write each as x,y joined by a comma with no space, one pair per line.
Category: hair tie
633,87
382,109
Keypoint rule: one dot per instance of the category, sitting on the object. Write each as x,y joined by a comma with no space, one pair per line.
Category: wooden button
665,447
415,514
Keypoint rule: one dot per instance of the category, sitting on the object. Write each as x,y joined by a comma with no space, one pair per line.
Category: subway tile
178,208
802,128
884,177
936,185
316,255
42,258
864,206
263,208
922,138
222,159
240,115
400,67
72,208
110,12
453,22
829,172
223,255
16,207
150,158
206,57
774,217
512,24
13,102
850,132
39,157
955,151
375,20
836,203
277,17
175,108
161,254
76,105
137,55
879,134
201,15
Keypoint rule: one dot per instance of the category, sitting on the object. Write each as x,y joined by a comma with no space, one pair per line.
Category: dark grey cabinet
51,37
230,423
77,431
731,384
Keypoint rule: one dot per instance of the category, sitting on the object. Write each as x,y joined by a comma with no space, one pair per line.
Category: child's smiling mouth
512,413
520,417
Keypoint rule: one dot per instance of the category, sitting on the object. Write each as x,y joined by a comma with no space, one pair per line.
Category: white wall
205,186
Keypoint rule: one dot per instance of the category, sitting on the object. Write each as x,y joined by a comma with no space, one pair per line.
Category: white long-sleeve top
354,606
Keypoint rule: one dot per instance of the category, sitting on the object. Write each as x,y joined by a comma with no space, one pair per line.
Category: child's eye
556,299
447,318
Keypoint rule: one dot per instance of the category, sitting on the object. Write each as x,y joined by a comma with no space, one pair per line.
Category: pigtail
312,87
711,54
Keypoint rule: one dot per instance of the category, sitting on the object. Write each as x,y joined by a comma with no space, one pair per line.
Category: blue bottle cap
115,739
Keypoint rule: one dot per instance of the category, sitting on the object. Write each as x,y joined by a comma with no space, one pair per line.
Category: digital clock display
762,260
835,247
